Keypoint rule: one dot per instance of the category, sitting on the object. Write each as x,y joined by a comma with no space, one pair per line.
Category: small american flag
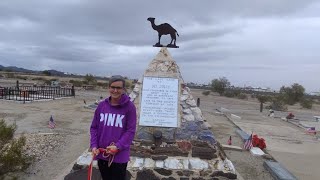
248,144
51,124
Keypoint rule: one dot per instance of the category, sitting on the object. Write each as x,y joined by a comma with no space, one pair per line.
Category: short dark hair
117,78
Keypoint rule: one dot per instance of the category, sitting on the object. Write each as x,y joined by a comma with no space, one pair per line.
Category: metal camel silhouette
164,29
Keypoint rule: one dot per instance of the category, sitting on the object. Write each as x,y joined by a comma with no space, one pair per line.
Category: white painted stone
184,97
187,111
256,151
172,163
149,163
131,162
230,165
198,164
136,88
138,163
132,96
188,117
191,102
159,164
197,113
85,159
184,105
185,92
185,163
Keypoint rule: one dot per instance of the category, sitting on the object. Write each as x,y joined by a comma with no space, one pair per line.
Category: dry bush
12,158
206,93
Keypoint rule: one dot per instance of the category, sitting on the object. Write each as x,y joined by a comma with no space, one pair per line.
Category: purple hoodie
114,124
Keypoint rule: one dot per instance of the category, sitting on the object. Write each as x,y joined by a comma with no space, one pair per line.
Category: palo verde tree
293,94
220,85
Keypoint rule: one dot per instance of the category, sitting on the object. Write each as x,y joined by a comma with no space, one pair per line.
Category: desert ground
57,149
287,143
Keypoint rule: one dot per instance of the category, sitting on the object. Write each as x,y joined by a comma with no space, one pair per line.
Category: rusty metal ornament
164,29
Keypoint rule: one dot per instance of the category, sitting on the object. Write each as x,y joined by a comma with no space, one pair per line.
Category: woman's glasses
116,87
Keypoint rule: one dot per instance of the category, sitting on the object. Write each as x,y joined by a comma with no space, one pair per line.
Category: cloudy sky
266,43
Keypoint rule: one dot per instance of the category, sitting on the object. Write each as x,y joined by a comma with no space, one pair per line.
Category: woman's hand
95,151
112,149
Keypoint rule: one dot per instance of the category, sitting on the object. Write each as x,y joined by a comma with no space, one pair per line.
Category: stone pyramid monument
172,139
190,122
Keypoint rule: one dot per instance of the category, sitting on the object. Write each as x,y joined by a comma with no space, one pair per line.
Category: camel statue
164,29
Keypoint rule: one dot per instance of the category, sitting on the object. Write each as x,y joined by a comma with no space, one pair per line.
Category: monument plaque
159,102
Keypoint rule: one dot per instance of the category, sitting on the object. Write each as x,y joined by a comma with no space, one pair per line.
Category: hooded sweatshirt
114,124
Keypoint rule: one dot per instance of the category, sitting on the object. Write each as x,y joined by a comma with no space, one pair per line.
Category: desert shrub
47,82
229,94
104,85
21,77
242,96
12,157
277,103
206,93
220,85
306,103
76,83
293,94
89,79
38,79
10,75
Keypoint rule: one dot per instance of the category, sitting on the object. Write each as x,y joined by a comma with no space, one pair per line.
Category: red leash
106,153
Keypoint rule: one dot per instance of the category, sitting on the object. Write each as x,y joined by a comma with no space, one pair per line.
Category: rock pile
43,144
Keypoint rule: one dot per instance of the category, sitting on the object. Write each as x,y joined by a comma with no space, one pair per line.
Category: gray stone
278,171
168,133
144,134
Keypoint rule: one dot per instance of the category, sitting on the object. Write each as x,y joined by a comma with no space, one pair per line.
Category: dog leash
106,153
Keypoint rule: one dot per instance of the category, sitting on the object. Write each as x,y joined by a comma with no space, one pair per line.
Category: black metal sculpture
164,29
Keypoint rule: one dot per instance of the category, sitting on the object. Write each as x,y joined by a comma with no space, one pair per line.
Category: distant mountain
17,69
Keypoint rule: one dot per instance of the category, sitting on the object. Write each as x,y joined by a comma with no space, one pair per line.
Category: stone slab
244,136
278,171
230,147
235,117
256,151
